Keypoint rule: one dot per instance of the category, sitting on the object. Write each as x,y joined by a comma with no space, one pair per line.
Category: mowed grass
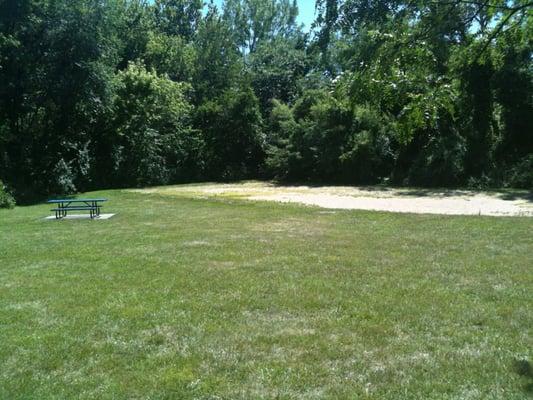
177,298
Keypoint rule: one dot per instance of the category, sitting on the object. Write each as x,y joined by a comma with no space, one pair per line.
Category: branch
500,28
486,5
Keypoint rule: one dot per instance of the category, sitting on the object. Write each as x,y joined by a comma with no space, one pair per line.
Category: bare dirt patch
405,200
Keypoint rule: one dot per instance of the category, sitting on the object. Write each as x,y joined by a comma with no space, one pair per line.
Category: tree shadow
420,192
503,194
516,195
43,199
368,188
524,369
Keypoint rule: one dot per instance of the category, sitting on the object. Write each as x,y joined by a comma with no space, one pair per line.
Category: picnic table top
76,200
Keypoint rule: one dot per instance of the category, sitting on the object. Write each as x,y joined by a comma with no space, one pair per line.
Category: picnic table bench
66,205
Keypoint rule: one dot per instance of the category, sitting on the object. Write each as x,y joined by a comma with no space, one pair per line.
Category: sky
306,13
306,10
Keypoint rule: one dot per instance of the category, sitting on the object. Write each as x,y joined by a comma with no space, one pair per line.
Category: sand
419,201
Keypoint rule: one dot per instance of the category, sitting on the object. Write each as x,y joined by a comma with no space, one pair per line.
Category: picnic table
66,205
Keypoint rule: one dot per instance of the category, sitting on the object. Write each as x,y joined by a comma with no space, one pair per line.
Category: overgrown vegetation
129,92
199,299
6,199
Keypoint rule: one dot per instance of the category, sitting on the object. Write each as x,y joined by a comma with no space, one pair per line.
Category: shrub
232,129
62,179
368,155
281,128
521,174
6,199
323,122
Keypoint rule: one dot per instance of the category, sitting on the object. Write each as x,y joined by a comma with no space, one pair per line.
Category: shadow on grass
43,199
516,195
434,192
366,188
503,194
525,370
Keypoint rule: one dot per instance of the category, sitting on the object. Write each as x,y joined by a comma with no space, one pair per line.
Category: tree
232,128
218,63
277,68
281,128
170,55
131,92
56,70
152,138
178,17
513,86
256,21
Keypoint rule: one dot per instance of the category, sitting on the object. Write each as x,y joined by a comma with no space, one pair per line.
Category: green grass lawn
177,298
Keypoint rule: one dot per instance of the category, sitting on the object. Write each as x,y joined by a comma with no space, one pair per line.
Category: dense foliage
128,92
6,199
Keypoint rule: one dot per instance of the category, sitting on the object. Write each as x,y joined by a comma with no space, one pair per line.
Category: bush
6,199
323,123
440,162
368,155
432,140
521,174
232,129
62,179
280,128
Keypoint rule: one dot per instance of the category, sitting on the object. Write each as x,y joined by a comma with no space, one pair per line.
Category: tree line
116,93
